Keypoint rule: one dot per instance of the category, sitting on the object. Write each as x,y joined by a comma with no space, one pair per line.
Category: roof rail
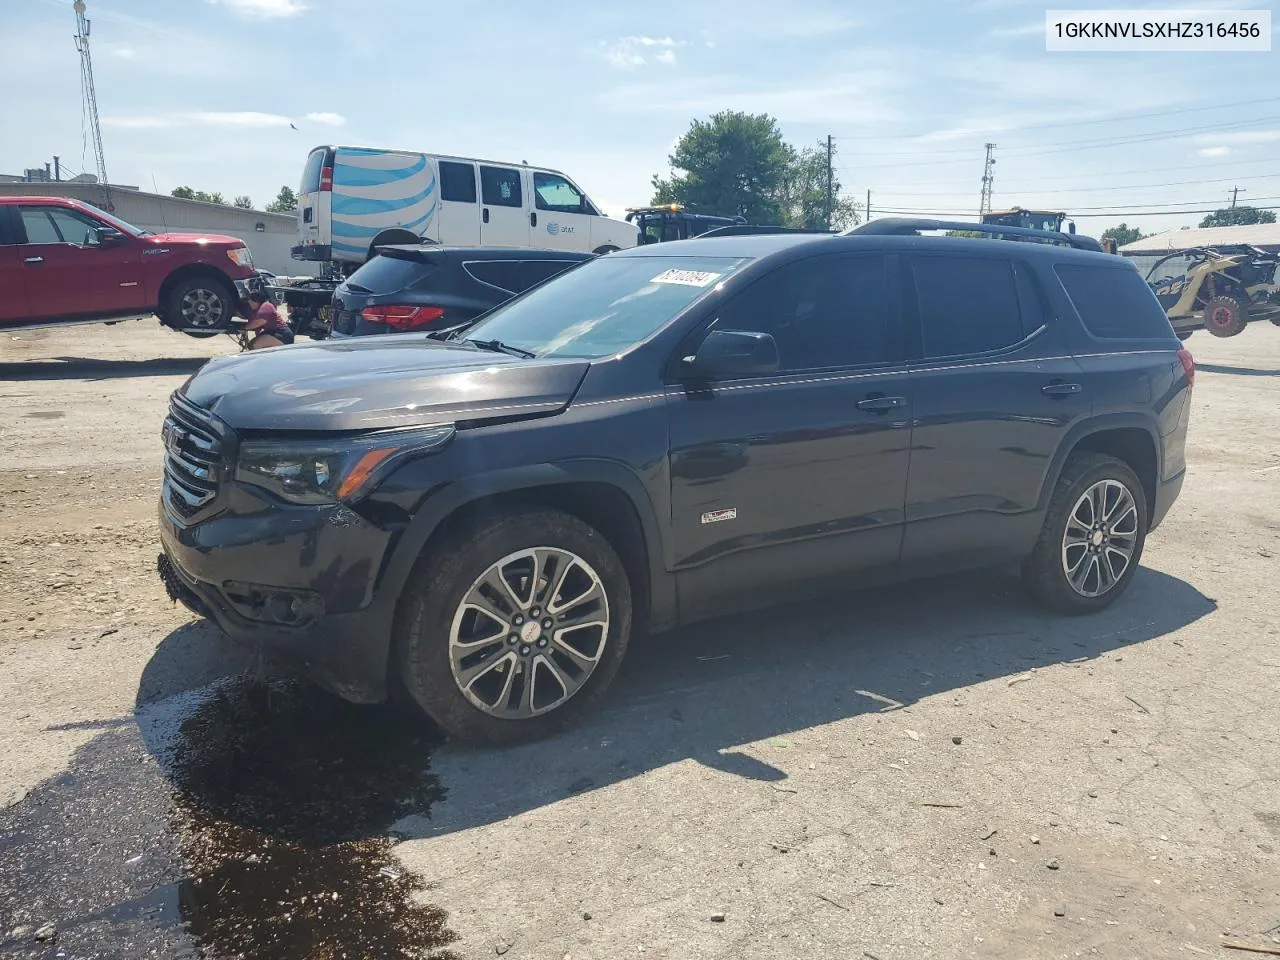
908,226
748,229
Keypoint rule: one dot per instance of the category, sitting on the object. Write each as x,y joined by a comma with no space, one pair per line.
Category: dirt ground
938,770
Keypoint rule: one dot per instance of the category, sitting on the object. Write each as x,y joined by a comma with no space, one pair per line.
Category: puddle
262,833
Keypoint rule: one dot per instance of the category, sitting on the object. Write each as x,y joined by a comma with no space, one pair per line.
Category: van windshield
604,306
311,172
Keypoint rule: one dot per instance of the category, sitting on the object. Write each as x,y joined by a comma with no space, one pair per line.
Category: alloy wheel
201,307
1100,538
529,633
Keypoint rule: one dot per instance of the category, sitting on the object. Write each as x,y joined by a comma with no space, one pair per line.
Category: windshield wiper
497,346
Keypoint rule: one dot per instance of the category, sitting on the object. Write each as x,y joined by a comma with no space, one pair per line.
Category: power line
958,181
1072,123
1127,186
1118,216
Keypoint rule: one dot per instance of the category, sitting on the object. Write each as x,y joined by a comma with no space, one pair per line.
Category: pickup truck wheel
513,629
1092,538
200,307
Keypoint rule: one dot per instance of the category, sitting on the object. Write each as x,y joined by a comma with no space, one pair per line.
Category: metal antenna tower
87,91
988,177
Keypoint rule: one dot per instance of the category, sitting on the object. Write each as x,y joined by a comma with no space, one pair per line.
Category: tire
200,306
388,237
1225,316
432,614
1046,570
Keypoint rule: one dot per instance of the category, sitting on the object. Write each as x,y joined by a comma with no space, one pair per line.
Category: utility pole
988,177
57,168
830,181
1234,193
90,97
868,217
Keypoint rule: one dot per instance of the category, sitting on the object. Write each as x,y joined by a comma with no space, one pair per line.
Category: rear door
69,271
995,389
315,205
561,218
13,290
459,218
504,221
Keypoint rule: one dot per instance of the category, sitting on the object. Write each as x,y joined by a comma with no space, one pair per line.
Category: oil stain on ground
262,833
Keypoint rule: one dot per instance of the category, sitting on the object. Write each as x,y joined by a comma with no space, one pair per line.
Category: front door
69,269
504,219
783,480
995,390
561,218
458,223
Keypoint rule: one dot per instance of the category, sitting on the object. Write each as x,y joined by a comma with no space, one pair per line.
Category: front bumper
330,553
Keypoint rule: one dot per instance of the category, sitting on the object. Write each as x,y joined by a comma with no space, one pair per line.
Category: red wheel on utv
1225,316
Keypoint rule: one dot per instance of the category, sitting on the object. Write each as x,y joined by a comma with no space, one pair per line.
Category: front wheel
512,631
1225,316
1092,538
200,307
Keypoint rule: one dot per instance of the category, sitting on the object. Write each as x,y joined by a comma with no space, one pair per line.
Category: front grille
192,458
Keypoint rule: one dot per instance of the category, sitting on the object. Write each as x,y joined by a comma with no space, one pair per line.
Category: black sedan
427,288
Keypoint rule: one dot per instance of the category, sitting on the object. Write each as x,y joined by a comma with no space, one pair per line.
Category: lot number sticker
688,278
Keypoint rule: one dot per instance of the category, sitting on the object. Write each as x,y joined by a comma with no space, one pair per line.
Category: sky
206,93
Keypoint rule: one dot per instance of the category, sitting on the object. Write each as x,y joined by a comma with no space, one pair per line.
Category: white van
355,198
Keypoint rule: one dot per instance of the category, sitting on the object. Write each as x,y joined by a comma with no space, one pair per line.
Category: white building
1264,235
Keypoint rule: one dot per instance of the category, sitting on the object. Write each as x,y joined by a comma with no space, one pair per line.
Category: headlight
312,473
240,256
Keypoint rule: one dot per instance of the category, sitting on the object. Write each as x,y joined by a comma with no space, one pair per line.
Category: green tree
186,193
1123,234
1238,217
243,202
804,193
285,202
734,164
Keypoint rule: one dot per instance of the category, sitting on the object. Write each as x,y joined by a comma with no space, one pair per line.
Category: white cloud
1214,151
264,9
1241,136
328,119
629,52
122,52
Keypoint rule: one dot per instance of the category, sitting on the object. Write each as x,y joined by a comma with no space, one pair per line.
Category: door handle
1060,389
533,219
484,214
882,404
34,261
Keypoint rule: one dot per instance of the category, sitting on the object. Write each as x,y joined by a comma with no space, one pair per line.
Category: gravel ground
934,770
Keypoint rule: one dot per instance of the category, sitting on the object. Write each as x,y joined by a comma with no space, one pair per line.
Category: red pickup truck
63,261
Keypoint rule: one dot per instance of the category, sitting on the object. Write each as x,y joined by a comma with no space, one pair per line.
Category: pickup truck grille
192,458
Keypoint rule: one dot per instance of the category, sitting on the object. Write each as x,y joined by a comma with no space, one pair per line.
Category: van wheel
389,237
607,248
200,306
512,630
1225,316
1092,538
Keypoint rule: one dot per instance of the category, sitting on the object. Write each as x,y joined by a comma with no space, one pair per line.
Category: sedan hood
371,383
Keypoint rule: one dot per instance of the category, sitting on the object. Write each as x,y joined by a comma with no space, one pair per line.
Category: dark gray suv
666,434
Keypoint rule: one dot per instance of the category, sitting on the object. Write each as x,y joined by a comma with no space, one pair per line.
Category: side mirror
109,237
1071,226
725,354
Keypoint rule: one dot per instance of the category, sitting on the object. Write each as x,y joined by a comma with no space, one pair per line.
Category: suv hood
376,382
203,239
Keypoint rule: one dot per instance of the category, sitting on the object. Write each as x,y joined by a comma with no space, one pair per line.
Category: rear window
311,172
1113,302
385,274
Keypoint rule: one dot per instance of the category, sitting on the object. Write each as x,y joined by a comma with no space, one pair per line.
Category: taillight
326,179
1188,365
403,318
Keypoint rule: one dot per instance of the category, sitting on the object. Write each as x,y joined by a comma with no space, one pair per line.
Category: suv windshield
604,306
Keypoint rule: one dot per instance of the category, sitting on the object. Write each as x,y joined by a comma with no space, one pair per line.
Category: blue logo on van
553,228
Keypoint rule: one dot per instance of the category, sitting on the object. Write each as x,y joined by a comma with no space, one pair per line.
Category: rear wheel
200,306
1225,316
1093,535
513,630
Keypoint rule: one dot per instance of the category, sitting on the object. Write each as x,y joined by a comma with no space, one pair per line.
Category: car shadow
88,368
1238,371
701,692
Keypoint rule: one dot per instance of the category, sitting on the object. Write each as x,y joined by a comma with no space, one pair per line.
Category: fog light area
294,608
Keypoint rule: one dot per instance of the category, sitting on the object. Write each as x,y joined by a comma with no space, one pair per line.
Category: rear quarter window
1114,303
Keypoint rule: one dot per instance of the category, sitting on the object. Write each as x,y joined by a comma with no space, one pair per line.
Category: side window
533,272
457,181
75,228
553,192
503,274
500,187
1030,299
967,305
39,227
1113,302
822,312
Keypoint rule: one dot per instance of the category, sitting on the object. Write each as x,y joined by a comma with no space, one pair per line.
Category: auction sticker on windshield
688,278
